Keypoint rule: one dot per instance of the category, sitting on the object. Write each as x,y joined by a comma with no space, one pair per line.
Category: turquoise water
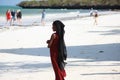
3,10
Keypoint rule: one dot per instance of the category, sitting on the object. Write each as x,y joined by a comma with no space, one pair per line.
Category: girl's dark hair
62,47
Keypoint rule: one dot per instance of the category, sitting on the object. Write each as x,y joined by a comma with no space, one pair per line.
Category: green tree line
69,2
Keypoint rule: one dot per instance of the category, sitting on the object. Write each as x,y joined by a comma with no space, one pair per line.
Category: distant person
95,17
8,16
91,12
43,17
19,16
13,16
58,51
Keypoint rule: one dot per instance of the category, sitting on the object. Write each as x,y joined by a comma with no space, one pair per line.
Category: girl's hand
48,41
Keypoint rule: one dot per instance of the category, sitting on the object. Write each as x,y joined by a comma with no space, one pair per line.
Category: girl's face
54,27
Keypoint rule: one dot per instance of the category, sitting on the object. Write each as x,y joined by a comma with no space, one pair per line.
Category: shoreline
27,22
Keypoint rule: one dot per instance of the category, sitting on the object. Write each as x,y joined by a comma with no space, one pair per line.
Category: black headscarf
62,47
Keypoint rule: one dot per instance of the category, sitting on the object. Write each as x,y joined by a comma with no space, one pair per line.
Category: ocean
3,10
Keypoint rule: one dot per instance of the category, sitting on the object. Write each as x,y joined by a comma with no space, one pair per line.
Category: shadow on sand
90,53
93,52
109,32
90,74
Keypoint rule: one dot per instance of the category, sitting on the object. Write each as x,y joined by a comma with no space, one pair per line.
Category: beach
93,50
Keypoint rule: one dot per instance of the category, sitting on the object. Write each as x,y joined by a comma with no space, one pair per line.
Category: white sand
93,51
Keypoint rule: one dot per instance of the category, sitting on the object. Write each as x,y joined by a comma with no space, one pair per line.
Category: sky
9,2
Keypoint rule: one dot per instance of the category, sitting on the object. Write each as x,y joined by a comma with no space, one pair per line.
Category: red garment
8,15
59,74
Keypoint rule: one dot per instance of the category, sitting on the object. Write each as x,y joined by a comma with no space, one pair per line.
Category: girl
58,51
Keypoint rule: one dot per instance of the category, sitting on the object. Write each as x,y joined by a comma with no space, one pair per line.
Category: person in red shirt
8,16
58,51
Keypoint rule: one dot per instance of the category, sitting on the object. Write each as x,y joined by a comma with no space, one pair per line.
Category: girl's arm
50,42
